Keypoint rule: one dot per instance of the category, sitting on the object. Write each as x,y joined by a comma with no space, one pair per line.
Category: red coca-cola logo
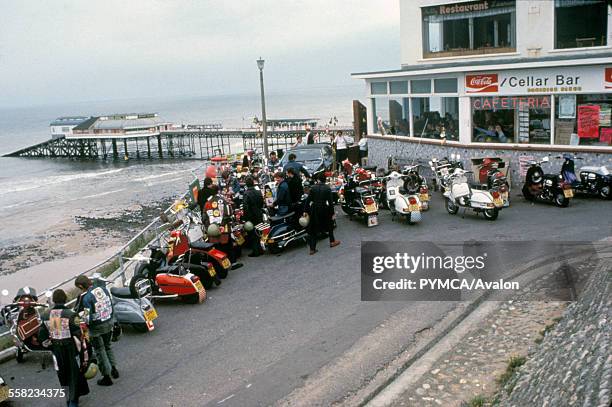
608,78
481,83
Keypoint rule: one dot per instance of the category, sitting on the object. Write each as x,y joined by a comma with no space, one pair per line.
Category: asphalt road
280,319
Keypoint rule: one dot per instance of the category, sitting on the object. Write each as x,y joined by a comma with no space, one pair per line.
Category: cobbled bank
573,364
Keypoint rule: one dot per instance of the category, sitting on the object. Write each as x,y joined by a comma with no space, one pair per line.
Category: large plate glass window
378,88
391,116
583,120
469,28
436,117
511,119
581,23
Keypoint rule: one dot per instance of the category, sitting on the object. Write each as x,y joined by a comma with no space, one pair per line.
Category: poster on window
588,121
567,106
606,135
604,115
523,119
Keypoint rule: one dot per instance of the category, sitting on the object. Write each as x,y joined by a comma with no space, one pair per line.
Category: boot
114,373
105,381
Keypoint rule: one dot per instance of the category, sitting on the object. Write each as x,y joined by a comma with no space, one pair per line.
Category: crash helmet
248,226
92,371
362,174
347,167
213,230
211,171
24,292
304,220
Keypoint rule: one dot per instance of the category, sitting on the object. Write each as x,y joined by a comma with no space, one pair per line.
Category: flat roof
491,64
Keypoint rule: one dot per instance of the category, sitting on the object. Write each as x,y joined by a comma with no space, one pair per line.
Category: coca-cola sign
481,83
608,78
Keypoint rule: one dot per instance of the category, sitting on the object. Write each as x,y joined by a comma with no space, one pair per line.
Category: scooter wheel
275,248
491,214
561,201
192,298
604,193
140,328
221,271
451,207
19,356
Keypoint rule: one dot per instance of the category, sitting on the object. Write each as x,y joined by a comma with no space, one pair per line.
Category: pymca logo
481,83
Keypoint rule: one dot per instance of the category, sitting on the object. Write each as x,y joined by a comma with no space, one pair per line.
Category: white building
499,74
119,126
62,126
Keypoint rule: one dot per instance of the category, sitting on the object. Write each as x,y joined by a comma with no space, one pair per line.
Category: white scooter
461,195
403,202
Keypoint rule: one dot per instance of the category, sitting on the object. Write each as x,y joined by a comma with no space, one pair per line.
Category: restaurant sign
545,80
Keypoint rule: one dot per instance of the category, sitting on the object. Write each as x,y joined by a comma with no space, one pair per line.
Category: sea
37,193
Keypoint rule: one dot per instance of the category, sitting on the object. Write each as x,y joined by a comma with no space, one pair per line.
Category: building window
511,119
65,129
421,86
391,116
581,23
583,120
378,88
436,117
398,87
469,28
445,85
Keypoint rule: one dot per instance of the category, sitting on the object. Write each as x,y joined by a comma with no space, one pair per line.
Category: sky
72,50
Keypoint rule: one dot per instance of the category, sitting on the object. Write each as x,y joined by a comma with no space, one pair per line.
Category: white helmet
304,221
213,230
248,226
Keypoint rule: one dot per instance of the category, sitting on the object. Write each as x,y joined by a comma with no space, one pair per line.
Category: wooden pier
190,143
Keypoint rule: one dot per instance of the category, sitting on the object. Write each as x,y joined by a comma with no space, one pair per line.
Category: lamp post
260,65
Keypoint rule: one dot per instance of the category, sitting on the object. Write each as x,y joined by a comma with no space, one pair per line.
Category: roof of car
315,145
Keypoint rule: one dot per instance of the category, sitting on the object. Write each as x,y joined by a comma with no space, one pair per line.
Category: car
315,157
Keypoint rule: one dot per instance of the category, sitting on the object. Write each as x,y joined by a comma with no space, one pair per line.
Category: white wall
534,32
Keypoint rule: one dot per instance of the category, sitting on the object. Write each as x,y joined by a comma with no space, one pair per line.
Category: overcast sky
74,50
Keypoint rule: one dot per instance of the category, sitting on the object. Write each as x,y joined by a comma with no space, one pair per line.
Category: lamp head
260,64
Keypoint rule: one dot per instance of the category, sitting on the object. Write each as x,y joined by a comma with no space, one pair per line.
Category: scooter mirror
458,157
5,292
48,294
545,159
453,156
430,163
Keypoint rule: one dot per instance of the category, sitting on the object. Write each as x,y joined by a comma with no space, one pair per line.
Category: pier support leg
115,152
160,149
125,149
148,147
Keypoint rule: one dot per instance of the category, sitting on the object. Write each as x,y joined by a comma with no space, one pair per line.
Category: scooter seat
201,245
121,292
479,186
360,190
275,219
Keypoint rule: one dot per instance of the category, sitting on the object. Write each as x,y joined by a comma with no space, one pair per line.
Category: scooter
23,318
442,170
277,232
130,308
546,187
167,281
461,195
591,180
402,197
492,178
416,179
357,199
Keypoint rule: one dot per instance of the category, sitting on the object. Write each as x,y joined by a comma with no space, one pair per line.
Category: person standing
253,212
60,327
363,149
296,189
205,193
310,139
341,147
96,301
320,209
273,160
283,196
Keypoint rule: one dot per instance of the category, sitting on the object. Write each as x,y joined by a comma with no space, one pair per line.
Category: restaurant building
497,77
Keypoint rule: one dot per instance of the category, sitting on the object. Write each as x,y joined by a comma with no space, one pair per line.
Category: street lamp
260,65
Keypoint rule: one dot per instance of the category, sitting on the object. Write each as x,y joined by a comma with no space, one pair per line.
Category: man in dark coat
309,136
296,189
60,326
205,193
283,196
320,209
253,204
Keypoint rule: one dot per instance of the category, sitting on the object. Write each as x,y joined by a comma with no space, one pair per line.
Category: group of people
70,332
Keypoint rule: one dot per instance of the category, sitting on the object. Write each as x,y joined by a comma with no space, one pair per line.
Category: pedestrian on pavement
310,138
320,210
296,189
253,212
299,167
96,302
341,147
283,196
60,328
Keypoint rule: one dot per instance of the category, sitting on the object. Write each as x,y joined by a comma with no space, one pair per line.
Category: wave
100,194
34,183
156,176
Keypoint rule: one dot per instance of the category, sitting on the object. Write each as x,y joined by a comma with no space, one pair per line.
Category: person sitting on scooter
60,327
320,209
205,193
283,196
253,212
96,302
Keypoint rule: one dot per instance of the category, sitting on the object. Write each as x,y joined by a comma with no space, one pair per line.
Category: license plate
568,193
372,220
239,240
226,263
424,197
498,202
199,286
151,314
413,208
370,208
211,271
4,393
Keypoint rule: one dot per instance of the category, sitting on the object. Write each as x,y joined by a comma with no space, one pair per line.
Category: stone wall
380,149
573,365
